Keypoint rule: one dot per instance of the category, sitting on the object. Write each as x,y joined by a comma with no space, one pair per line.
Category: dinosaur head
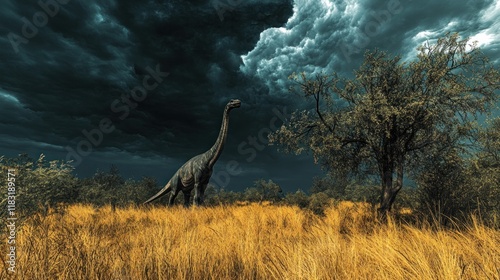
233,103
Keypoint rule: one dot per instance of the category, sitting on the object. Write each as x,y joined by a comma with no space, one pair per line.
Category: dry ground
246,242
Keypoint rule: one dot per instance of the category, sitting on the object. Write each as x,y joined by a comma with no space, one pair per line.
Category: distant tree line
42,185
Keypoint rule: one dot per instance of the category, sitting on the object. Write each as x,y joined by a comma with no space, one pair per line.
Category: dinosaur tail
161,193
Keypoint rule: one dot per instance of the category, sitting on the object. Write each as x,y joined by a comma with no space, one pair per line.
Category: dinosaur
196,172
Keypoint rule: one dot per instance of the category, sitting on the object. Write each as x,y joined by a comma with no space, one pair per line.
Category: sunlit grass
247,242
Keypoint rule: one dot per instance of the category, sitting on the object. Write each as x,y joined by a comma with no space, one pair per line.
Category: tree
39,185
135,192
318,202
453,187
484,170
103,187
489,154
299,198
341,187
443,190
219,196
382,121
330,185
263,191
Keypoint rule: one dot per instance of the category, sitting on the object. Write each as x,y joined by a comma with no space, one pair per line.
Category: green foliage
43,184
39,184
102,188
298,198
407,198
341,188
263,191
330,186
134,192
453,187
318,202
111,188
443,192
385,121
219,196
362,193
252,195
484,170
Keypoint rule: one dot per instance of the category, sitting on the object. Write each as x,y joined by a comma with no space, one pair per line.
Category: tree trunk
389,188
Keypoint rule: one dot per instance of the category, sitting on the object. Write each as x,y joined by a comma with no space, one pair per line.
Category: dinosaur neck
216,149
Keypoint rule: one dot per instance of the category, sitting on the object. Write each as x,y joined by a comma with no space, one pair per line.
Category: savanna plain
253,241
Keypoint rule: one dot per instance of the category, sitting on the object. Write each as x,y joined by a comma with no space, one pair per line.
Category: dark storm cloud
64,77
327,36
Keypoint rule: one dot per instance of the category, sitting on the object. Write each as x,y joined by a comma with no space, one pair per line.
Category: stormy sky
142,84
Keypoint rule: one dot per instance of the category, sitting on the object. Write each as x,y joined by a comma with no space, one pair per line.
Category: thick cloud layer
74,74
327,35
69,67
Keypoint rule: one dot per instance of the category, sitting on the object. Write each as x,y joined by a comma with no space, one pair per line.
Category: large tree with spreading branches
383,121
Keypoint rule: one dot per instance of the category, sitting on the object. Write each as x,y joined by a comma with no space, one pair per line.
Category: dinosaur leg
202,194
187,196
196,200
171,200
199,193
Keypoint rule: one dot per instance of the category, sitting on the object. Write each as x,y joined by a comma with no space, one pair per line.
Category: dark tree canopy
385,119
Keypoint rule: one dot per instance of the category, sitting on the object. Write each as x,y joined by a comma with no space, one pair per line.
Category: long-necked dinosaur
196,172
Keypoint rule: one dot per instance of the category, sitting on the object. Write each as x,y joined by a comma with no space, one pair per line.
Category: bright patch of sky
491,33
9,98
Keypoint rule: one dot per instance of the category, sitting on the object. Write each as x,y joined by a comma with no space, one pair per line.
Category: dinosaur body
196,172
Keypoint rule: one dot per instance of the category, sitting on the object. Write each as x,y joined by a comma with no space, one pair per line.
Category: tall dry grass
247,242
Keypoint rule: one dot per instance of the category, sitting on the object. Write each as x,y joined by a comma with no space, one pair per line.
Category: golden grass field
247,242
